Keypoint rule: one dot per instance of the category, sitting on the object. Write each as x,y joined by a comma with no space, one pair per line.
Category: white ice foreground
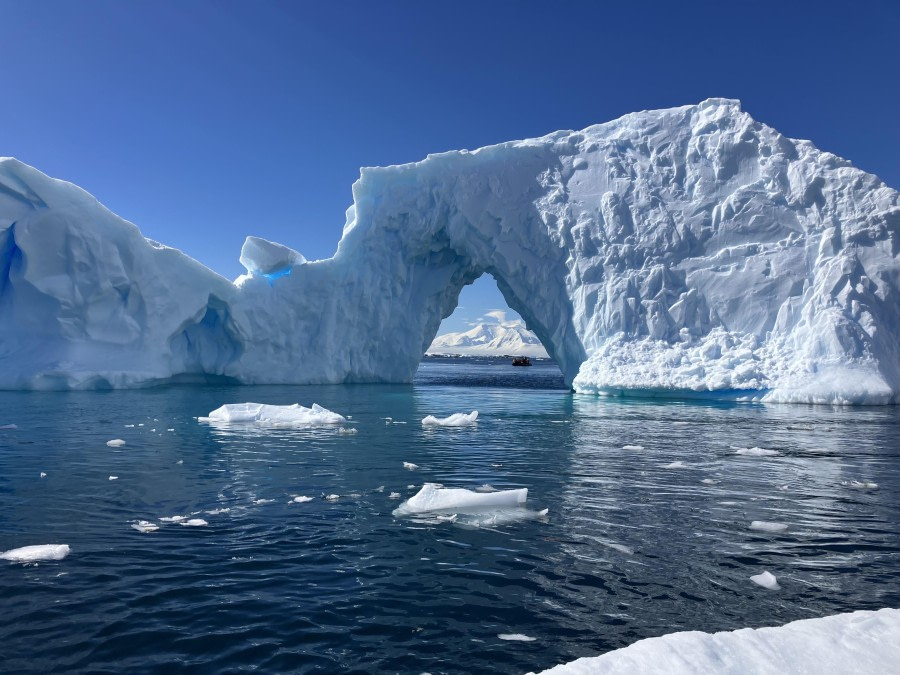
280,416
687,251
454,420
858,642
36,553
434,498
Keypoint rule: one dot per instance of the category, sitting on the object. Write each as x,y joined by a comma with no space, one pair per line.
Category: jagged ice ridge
692,250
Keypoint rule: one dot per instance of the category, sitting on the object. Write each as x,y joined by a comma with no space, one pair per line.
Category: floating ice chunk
766,580
113,478
496,466
43,474
864,484
173,519
675,465
279,416
394,495
344,430
709,481
145,526
497,516
451,518
486,488
331,498
170,430
260,502
301,499
680,424
180,461
756,452
516,637
36,553
632,447
216,512
766,526
194,522
431,498
454,420
115,443
129,426
410,466
8,427
380,488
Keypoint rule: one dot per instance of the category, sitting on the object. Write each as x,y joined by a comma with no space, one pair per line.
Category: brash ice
690,250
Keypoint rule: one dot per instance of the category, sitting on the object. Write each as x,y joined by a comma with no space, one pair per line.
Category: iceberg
36,553
281,416
856,642
692,251
433,498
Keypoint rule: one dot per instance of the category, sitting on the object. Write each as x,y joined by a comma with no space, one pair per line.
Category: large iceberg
690,250
857,642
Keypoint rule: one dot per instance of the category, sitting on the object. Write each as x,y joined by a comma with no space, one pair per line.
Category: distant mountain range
490,339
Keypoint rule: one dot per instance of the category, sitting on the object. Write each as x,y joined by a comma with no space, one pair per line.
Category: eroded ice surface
264,415
691,250
858,642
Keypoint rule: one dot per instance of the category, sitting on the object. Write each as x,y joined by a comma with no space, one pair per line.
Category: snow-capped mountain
490,339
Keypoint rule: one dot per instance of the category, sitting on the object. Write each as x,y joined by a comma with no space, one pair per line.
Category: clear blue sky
204,121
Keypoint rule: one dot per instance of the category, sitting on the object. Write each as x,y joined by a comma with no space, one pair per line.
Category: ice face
692,250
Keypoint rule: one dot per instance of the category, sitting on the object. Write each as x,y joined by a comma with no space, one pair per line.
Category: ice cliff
689,250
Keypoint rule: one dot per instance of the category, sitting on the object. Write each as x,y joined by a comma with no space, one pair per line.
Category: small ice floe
43,474
675,465
861,484
8,427
395,422
410,466
37,553
345,430
496,466
277,416
766,526
331,498
141,424
194,522
410,487
115,443
486,488
433,498
129,426
447,518
173,519
170,430
380,488
180,461
709,481
216,512
260,502
756,452
302,499
516,637
680,424
766,580
145,526
388,420
632,447
113,478
394,495
454,420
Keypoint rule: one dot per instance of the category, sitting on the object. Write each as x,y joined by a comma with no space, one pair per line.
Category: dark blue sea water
631,549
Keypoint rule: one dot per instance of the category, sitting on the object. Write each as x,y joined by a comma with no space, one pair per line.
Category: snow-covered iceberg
858,642
690,250
265,415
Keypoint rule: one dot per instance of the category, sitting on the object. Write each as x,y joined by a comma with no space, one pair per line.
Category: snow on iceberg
36,553
433,498
687,251
857,642
454,420
281,416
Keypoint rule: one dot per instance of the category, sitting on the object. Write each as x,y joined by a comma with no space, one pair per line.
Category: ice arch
690,249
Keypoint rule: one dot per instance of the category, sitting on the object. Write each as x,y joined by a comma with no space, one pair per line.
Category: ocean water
637,542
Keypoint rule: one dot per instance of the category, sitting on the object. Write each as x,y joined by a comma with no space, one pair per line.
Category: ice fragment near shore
36,553
454,420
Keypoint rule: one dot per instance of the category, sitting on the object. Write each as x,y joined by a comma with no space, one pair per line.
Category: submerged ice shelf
692,250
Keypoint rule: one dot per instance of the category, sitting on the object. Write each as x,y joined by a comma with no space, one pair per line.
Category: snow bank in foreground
454,420
287,416
36,553
858,642
434,498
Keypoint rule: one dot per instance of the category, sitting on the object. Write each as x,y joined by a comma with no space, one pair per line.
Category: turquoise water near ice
630,549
